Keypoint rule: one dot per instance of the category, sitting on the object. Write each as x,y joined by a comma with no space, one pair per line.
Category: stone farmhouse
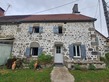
67,37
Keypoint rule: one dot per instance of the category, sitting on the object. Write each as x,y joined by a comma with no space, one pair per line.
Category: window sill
59,34
77,57
34,56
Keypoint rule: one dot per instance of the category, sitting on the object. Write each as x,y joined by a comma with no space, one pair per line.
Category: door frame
58,57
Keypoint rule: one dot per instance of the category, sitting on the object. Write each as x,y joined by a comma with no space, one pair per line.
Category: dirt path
61,74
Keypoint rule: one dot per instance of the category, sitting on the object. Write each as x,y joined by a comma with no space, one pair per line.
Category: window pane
36,29
35,51
60,29
78,51
74,49
58,49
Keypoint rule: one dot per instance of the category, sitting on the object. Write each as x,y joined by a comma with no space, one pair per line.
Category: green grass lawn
91,75
26,75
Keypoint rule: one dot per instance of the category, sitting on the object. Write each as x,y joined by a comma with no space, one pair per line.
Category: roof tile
50,17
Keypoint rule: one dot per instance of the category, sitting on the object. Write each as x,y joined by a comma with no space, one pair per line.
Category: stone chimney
75,9
1,12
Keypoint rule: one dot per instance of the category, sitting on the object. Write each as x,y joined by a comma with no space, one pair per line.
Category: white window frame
76,51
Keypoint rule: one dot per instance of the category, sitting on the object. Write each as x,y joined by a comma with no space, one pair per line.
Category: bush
44,59
107,56
102,59
91,67
77,67
107,59
31,64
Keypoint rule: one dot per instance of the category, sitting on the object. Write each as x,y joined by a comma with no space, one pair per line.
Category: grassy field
27,75
91,75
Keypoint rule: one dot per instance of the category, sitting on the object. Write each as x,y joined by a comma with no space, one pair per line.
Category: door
58,58
5,51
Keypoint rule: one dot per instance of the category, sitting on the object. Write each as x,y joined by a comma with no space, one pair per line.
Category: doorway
58,58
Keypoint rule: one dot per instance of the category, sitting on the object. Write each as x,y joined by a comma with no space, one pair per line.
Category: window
60,29
57,30
34,51
36,29
77,51
58,49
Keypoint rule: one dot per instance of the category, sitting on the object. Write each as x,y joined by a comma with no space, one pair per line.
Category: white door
58,58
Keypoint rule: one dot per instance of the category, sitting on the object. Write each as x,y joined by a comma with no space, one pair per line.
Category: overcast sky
86,7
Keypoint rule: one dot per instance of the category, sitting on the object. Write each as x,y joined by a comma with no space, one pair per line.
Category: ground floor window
34,51
77,51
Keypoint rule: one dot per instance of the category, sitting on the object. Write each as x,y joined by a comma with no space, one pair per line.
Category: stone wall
103,46
76,32
8,30
84,64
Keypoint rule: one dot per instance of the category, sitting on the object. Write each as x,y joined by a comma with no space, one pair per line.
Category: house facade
70,36
103,43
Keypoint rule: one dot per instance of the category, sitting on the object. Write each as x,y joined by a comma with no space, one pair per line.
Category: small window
74,49
36,29
77,50
58,49
60,29
34,51
57,29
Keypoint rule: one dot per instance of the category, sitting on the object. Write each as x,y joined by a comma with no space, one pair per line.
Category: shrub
102,59
31,64
44,59
107,56
91,67
77,67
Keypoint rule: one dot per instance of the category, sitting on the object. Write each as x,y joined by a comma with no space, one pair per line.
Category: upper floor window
58,29
35,29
